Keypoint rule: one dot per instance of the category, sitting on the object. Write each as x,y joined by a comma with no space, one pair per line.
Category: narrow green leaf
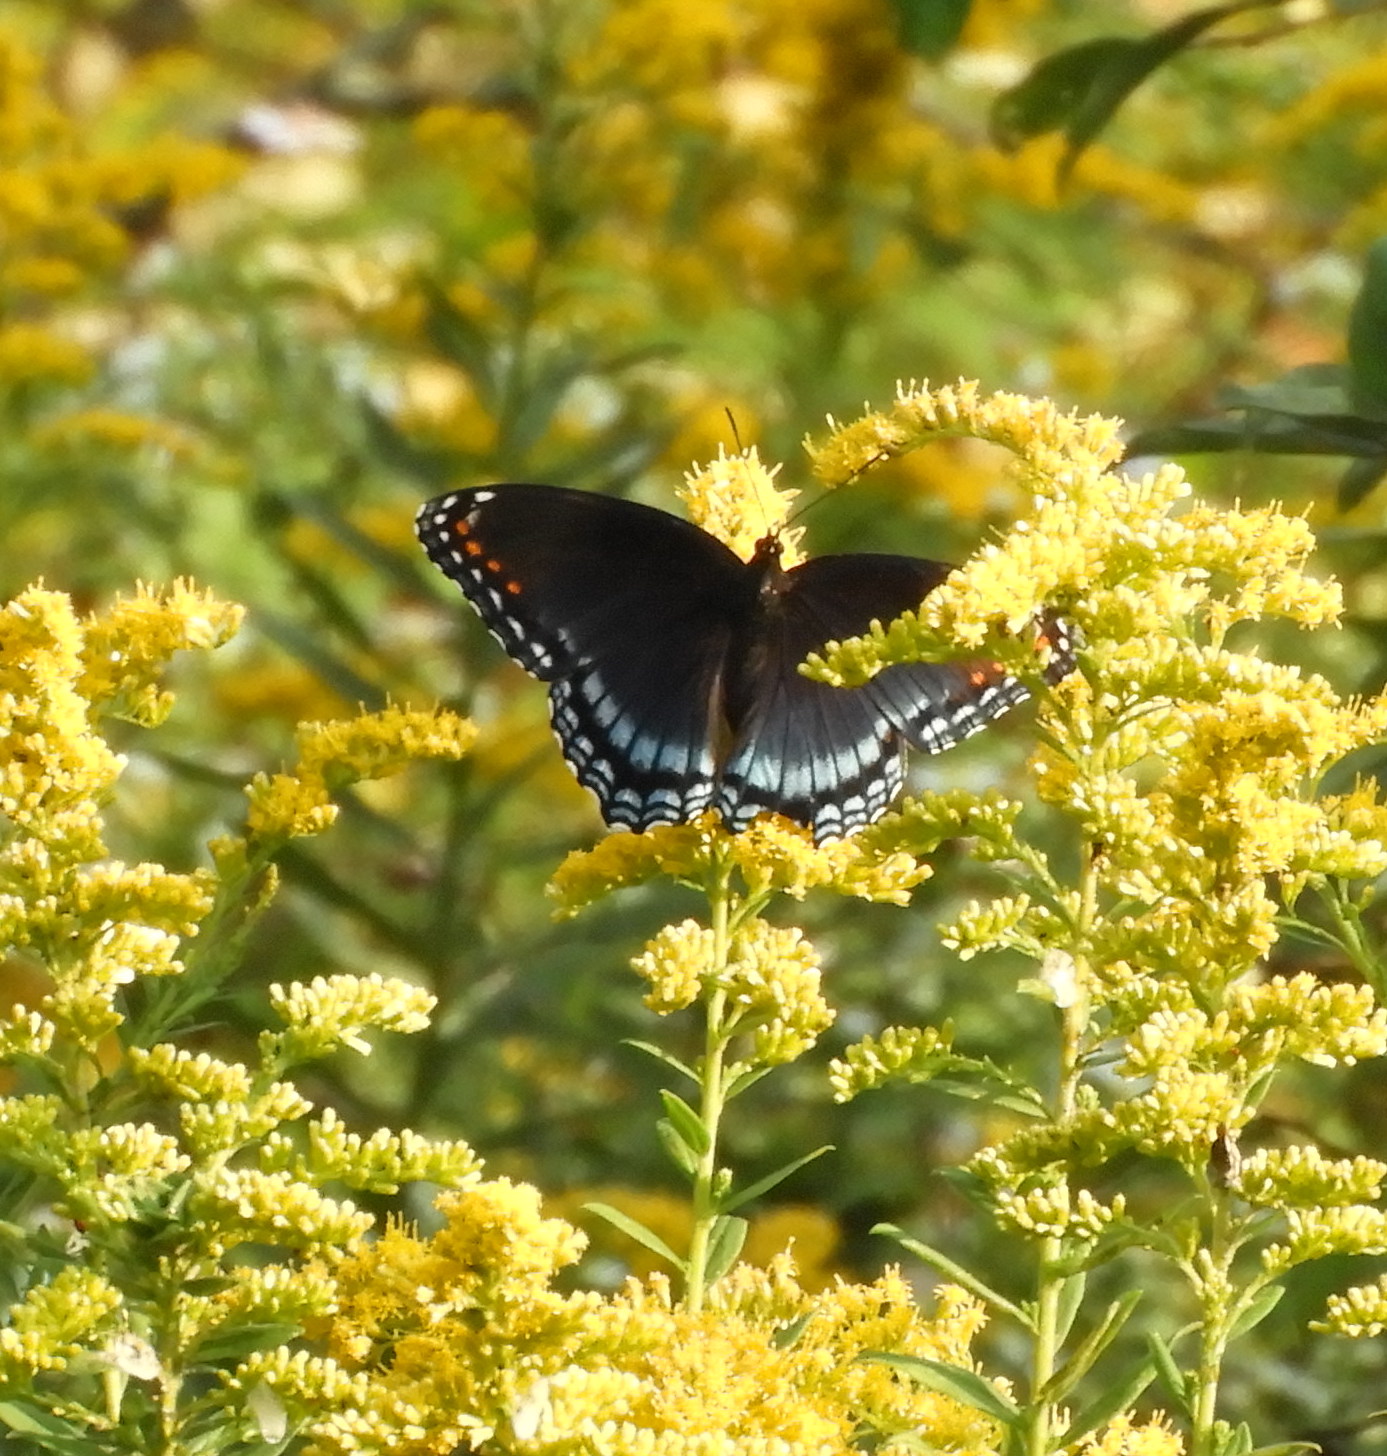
242,1340
1171,1376
678,1151
1272,434
1071,1298
743,1078
1079,90
963,1385
660,1055
930,28
942,1264
1367,336
789,1334
1118,1397
687,1123
1232,1440
764,1185
1294,1448
1360,479
45,1429
638,1231
1067,1377
724,1245
1263,1302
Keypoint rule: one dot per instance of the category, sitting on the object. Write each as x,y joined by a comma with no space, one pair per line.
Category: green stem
1051,1275
712,1099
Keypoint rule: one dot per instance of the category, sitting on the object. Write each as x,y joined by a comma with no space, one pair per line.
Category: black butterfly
672,664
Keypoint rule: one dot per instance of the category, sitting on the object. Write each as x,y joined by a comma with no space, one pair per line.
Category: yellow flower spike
735,498
1315,1233
677,963
1054,1212
772,978
55,1321
1302,1177
1325,1025
1358,1313
246,1206
1122,1436
772,856
128,646
336,754
332,1011
909,1052
380,1162
214,1129
186,1076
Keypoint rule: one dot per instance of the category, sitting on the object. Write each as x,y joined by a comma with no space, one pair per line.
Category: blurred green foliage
270,274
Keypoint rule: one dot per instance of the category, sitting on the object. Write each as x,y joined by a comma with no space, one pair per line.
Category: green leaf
638,1231
1171,1376
789,1334
660,1055
724,1244
1231,1440
1262,1304
1119,1397
942,1264
963,1385
764,1185
1091,1347
679,1152
1078,90
930,28
1367,336
45,1429
243,1339
687,1123
1071,1298
1359,480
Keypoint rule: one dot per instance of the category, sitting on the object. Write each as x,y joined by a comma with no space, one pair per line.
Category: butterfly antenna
736,433
876,458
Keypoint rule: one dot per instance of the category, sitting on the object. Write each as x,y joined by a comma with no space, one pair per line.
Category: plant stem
712,1098
1051,1275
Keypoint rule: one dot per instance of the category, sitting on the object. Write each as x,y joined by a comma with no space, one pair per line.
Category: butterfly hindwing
834,757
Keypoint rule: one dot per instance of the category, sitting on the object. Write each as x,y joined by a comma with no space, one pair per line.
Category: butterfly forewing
624,610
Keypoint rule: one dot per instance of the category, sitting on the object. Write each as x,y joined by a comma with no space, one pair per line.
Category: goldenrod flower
772,856
334,755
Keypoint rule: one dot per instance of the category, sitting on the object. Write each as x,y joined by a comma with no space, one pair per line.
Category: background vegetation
271,273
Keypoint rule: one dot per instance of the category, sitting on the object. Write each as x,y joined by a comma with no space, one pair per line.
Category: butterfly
672,663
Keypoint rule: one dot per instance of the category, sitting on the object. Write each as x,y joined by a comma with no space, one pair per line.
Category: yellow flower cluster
914,1053
1359,1313
60,203
461,1338
125,1139
334,755
55,1322
771,980
96,924
771,857
735,498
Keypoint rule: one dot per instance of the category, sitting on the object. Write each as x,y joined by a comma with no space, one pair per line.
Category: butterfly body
672,664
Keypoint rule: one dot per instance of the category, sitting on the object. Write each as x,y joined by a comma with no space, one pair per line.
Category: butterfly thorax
750,659
771,578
